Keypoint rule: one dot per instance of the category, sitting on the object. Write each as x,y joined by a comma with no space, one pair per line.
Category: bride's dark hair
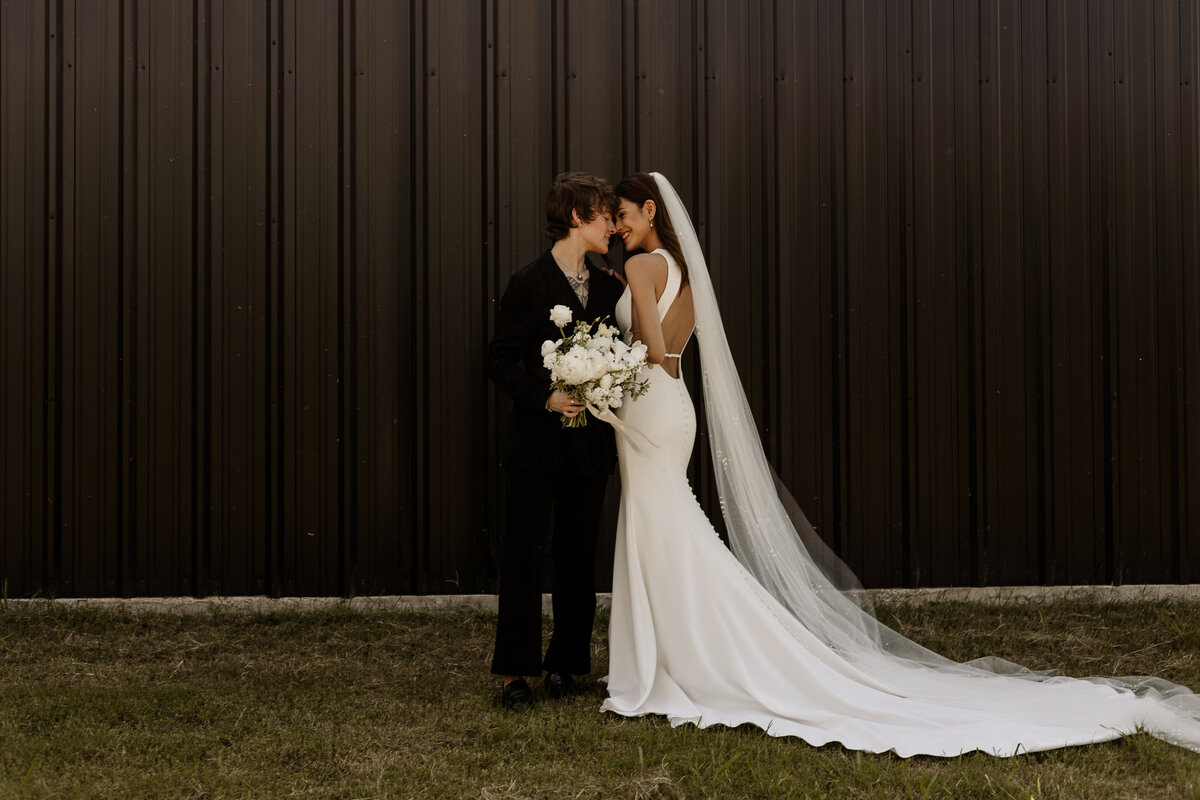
640,187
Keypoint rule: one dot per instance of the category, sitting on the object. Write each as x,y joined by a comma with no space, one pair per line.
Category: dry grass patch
349,704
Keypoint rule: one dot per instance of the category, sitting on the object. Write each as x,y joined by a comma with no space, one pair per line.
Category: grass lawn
351,704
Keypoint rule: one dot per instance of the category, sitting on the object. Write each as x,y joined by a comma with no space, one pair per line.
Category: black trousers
569,506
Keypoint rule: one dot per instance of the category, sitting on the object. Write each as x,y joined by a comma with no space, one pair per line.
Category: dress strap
674,281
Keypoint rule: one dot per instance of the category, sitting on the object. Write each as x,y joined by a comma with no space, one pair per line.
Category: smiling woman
775,634
640,208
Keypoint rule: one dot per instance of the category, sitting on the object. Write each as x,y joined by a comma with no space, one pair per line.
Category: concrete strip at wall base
487,602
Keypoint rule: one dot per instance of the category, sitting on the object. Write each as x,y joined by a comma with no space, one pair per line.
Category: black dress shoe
517,695
559,684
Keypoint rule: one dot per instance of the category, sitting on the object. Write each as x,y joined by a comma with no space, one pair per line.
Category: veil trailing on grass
770,536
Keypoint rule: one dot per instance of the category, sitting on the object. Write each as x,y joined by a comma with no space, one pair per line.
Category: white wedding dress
698,637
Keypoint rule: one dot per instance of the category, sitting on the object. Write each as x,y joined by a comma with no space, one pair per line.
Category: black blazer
536,439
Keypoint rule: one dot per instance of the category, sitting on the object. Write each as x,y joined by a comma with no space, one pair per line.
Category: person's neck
570,257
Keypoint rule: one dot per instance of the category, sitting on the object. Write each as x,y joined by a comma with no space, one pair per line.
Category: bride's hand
613,273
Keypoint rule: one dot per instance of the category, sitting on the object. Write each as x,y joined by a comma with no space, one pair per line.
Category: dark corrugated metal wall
251,253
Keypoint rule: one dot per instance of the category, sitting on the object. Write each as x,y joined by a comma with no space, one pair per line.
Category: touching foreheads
578,192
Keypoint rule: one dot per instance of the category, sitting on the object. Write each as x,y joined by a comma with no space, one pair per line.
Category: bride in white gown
766,634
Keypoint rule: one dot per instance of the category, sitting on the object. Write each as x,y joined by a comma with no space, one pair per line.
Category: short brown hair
584,194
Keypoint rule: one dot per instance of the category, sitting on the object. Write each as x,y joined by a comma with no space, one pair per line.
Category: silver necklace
578,283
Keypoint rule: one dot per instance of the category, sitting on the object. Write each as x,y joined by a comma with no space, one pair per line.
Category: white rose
599,365
548,347
573,369
560,315
549,360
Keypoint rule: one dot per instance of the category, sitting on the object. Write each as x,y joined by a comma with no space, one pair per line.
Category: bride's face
633,223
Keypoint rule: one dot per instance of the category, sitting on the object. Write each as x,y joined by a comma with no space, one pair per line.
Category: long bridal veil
771,537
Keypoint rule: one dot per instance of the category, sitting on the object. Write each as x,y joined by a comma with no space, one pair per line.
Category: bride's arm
647,275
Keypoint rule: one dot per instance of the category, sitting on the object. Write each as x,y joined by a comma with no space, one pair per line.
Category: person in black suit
554,477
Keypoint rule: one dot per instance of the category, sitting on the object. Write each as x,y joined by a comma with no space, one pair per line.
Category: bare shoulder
648,266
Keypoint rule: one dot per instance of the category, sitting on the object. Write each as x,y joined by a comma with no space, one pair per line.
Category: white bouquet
593,366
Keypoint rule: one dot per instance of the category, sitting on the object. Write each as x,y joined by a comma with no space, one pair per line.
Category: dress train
695,637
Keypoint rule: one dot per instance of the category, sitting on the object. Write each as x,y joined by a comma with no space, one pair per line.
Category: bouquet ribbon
631,433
